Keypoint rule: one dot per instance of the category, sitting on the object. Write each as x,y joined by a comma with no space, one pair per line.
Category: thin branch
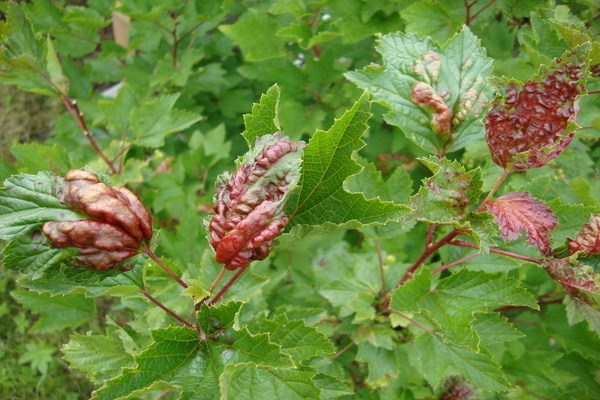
380,260
212,287
77,115
480,11
430,232
499,182
504,253
425,255
594,92
452,264
227,285
167,309
342,351
168,270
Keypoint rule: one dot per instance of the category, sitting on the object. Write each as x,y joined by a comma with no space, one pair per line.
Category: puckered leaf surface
455,74
517,212
588,238
578,279
453,301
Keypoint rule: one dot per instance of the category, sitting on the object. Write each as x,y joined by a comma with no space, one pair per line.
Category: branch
168,270
167,309
227,285
505,253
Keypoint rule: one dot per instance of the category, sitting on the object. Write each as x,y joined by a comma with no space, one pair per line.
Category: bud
249,205
528,124
120,228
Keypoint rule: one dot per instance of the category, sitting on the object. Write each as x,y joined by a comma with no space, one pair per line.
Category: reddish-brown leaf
578,279
517,212
588,238
527,125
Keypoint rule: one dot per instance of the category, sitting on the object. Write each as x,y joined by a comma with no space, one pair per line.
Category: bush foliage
425,227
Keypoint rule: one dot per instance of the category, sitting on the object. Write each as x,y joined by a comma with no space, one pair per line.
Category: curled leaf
532,123
517,212
441,116
577,278
588,238
249,204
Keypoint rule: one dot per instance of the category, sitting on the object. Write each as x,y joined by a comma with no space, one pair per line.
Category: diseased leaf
532,123
446,197
588,238
436,95
518,212
453,302
326,166
251,381
152,121
57,312
577,278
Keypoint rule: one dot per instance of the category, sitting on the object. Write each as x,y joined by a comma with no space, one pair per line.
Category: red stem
227,285
428,251
452,264
167,309
168,270
501,179
594,92
505,253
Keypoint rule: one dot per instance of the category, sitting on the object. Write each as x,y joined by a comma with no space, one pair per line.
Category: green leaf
263,120
455,75
152,121
179,357
251,381
326,166
57,312
494,328
54,68
117,110
331,387
293,336
256,33
426,18
453,301
33,157
439,359
578,338
101,357
26,202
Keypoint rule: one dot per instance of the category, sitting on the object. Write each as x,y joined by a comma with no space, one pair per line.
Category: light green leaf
152,121
578,337
293,336
453,301
250,381
439,359
327,164
57,312
494,328
427,18
455,74
256,33
101,357
34,157
54,68
263,119
331,387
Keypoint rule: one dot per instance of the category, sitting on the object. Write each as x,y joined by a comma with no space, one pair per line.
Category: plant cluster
439,241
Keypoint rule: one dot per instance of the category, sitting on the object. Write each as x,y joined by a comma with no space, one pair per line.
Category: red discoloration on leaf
121,226
248,206
518,211
425,96
526,126
578,279
588,238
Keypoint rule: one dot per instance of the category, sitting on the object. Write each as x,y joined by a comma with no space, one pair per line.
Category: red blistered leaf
578,279
588,238
518,211
528,124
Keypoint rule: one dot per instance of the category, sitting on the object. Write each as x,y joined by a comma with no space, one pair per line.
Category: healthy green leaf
439,359
263,120
326,166
444,114
251,381
101,357
453,301
57,312
152,121
34,157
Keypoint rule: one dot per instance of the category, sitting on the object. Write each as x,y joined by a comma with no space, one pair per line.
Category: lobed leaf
518,212
456,73
578,279
588,238
263,120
